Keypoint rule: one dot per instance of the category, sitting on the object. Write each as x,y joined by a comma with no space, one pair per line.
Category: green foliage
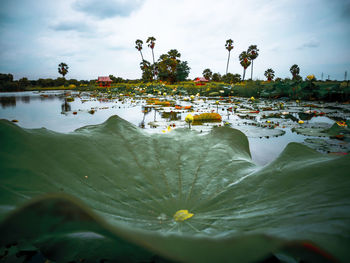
245,61
216,77
182,71
253,52
295,70
171,68
231,78
147,70
269,74
207,73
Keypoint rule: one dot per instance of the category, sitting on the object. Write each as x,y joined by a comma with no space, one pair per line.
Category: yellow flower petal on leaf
182,215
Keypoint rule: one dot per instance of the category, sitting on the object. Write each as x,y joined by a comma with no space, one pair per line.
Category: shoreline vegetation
287,88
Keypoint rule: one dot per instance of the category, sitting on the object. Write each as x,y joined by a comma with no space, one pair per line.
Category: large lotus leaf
116,189
322,132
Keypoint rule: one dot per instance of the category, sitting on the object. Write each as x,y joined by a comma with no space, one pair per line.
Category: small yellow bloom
300,122
189,118
310,77
182,215
252,98
342,123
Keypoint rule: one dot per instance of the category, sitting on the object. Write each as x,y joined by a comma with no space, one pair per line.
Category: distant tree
147,70
207,73
60,81
63,69
138,46
278,79
74,82
182,71
174,54
295,70
151,45
231,78
7,83
216,77
245,62
116,79
253,54
229,47
171,68
23,82
6,77
269,74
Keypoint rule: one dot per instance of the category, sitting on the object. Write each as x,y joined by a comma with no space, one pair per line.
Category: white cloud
98,37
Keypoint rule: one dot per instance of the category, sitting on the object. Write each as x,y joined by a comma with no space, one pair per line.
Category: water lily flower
252,98
342,123
189,119
310,77
300,122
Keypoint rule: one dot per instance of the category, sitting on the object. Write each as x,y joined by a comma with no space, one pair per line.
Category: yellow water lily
300,122
310,77
189,118
168,129
252,98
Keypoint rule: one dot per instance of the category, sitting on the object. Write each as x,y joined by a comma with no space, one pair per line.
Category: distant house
200,81
104,81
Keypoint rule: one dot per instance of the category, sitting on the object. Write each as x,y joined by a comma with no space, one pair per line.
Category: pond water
268,130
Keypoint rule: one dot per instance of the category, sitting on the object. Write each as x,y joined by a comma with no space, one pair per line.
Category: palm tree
253,54
138,46
229,47
269,74
151,45
63,69
173,54
295,71
207,73
245,62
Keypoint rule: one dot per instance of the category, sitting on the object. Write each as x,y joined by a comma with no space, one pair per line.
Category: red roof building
104,81
200,81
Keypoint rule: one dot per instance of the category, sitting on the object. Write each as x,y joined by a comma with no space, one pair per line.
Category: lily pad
111,191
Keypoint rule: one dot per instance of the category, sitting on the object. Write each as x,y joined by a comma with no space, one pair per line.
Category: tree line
168,68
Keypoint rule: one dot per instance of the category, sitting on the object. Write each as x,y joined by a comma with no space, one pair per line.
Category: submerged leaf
117,189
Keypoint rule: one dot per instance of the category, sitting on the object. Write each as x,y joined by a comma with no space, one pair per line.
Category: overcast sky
97,38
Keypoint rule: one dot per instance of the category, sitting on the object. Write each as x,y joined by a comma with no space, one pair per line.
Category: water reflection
65,106
25,99
8,102
171,116
145,110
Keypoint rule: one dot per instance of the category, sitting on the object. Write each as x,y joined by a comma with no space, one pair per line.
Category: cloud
107,8
309,44
71,26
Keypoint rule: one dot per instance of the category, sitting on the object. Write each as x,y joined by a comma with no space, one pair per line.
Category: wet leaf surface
110,191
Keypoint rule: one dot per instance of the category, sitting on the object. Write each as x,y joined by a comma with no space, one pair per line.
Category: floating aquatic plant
207,117
113,192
